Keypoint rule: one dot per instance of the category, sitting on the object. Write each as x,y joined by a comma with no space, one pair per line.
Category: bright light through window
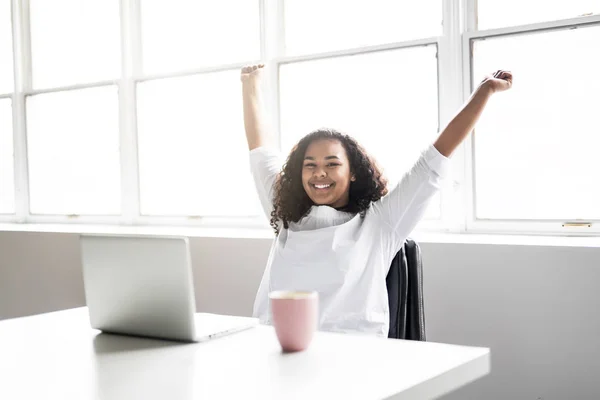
193,155
6,49
74,42
536,146
73,152
492,14
7,182
313,26
386,100
189,34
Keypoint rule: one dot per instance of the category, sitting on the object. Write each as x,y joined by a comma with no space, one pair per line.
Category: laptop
143,286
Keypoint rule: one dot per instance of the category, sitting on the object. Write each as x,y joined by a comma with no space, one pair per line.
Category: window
492,15
392,113
73,152
137,118
535,158
193,156
387,100
6,49
7,186
74,42
72,115
190,34
536,151
314,26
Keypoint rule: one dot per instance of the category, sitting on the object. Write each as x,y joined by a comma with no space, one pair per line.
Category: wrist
487,87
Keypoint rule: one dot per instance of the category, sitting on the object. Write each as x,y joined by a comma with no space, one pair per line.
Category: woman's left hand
499,81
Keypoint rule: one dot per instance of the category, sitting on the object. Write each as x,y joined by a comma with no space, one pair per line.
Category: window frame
454,88
588,227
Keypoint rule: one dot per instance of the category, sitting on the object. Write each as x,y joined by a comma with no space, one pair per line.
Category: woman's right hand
252,73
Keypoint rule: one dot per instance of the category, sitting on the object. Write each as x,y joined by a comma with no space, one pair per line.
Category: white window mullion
22,71
272,48
451,99
468,192
79,86
130,67
533,27
354,51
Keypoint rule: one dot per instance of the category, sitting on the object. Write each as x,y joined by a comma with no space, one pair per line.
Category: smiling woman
335,171
337,227
327,178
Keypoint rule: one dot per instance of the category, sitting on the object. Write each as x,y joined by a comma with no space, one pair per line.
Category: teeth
322,186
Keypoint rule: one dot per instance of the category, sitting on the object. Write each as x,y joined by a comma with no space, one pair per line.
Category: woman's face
326,174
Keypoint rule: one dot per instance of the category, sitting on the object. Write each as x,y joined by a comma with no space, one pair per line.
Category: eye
309,165
333,165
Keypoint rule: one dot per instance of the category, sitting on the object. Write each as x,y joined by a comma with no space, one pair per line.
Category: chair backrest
405,294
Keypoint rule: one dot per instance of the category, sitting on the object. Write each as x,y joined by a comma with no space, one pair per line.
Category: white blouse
344,257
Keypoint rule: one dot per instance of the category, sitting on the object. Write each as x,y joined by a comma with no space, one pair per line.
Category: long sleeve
402,209
265,165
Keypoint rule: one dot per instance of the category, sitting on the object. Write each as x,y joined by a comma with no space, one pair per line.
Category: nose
319,173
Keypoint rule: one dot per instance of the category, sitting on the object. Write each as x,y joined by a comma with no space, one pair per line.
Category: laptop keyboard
211,324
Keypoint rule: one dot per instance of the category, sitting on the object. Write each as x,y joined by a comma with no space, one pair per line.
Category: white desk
58,356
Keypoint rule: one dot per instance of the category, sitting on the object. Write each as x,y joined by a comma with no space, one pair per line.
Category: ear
353,178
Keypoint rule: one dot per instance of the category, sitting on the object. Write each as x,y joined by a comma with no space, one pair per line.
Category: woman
337,229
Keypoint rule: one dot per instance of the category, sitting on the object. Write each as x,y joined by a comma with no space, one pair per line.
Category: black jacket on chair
405,294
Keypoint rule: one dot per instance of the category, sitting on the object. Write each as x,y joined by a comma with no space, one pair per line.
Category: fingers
506,76
251,68
251,73
501,74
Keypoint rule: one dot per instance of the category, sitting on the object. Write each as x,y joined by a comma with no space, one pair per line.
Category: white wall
536,307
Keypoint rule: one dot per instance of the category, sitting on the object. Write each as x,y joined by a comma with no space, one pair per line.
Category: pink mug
295,317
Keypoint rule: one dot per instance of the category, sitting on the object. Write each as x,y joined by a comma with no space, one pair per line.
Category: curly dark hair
291,202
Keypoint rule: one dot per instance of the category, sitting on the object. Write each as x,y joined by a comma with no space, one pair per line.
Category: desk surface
58,356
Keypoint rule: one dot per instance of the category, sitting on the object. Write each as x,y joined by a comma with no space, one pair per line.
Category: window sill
215,232
267,233
507,239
